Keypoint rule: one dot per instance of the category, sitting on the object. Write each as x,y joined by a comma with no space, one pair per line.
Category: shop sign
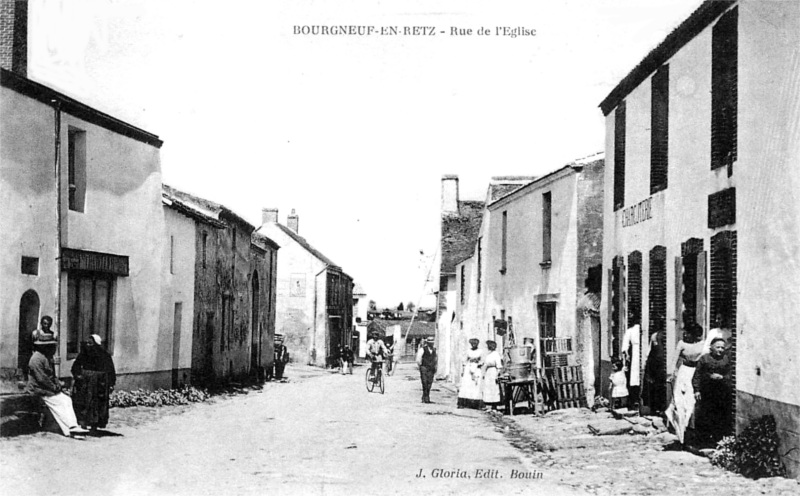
635,214
94,262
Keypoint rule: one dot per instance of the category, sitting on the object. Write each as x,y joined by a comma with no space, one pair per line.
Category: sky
353,132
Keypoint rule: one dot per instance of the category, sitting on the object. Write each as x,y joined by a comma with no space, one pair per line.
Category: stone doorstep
624,413
20,414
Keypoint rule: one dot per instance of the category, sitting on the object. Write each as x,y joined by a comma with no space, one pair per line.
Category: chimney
269,215
292,222
450,194
14,36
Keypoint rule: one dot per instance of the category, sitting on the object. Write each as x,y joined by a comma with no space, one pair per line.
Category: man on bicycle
376,351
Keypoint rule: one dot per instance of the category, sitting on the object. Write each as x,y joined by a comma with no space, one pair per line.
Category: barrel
520,354
519,370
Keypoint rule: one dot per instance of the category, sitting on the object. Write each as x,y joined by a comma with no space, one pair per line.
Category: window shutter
678,300
619,157
700,314
724,75
659,130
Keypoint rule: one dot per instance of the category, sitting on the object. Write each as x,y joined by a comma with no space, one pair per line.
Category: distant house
314,296
233,299
360,311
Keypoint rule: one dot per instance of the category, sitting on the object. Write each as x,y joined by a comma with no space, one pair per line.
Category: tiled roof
50,97
262,241
497,191
302,242
187,209
420,328
206,207
459,234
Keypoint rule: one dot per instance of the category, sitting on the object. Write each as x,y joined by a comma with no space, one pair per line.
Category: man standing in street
426,361
281,357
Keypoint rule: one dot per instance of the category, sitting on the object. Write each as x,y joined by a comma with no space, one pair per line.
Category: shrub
159,397
754,453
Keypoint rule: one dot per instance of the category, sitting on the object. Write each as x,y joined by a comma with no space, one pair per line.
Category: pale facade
314,305
701,209
92,261
528,269
177,295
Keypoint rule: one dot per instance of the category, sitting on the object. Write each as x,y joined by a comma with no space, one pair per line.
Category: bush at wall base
754,453
159,397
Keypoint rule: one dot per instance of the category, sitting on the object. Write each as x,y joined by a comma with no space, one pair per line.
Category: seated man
42,381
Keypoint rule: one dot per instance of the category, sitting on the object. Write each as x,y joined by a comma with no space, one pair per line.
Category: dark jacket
42,378
97,359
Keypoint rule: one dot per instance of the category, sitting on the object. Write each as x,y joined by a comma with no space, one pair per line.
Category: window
723,279
619,157
616,290
724,69
658,289
172,254
634,288
692,281
504,248
30,266
89,309
722,208
547,226
227,321
76,168
463,281
480,264
659,130
547,320
205,244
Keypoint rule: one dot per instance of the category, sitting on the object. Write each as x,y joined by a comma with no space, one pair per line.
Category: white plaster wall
680,211
516,291
177,286
28,200
123,215
768,204
295,316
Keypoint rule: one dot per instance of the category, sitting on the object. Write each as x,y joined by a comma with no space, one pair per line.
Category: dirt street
317,434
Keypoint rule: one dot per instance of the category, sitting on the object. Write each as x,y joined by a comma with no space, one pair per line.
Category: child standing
619,389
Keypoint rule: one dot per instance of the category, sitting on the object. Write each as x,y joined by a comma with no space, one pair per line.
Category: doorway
28,322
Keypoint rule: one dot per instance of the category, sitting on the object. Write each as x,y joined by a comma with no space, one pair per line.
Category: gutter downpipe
57,166
314,330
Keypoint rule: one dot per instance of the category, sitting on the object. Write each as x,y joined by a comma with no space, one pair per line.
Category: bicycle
375,375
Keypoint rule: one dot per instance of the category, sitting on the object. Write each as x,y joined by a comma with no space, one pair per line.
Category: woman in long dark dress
95,377
654,390
712,388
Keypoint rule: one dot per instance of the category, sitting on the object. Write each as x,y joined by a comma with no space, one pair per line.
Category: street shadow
103,433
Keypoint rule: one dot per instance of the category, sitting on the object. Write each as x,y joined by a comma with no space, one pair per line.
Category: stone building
314,296
539,241
232,311
701,219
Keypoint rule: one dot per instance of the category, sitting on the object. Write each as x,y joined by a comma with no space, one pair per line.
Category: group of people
701,387
700,408
479,373
94,377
